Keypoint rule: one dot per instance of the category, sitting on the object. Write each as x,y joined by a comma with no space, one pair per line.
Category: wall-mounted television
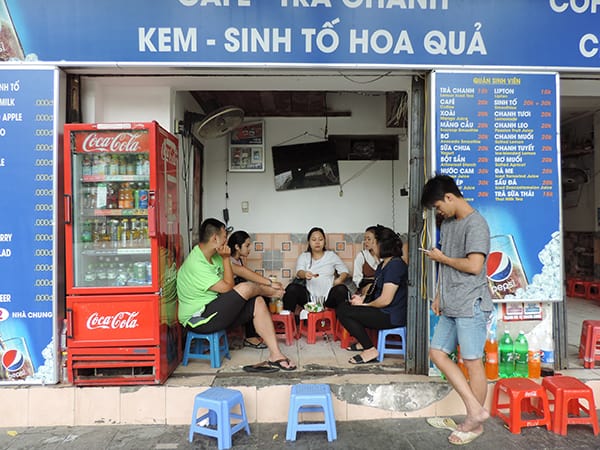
308,165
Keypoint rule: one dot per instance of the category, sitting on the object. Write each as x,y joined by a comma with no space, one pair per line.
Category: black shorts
231,310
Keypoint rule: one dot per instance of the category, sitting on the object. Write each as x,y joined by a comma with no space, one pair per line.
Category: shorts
468,332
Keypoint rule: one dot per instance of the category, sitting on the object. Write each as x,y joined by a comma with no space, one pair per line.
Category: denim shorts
468,332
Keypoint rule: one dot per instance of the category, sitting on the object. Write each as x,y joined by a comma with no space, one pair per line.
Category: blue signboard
28,226
404,33
497,135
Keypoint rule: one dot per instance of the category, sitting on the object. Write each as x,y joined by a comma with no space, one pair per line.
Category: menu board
497,135
28,226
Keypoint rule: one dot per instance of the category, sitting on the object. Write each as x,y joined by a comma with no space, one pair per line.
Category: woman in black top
385,303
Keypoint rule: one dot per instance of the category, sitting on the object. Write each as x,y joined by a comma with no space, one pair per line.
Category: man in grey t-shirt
462,300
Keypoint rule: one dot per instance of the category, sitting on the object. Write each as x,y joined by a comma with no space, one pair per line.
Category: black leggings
296,294
231,309
357,318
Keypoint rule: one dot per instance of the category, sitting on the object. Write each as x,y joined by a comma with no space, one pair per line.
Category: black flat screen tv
307,165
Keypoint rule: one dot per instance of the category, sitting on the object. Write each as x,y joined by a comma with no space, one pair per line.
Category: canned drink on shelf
142,198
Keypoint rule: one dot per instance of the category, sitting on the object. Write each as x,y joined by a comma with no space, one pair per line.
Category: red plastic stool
285,324
589,343
567,393
571,287
520,392
342,335
593,290
313,326
580,288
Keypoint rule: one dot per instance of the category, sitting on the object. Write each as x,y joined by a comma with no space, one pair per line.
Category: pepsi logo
499,266
13,360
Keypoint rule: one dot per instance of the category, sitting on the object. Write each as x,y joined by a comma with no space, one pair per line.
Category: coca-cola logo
169,152
123,319
121,142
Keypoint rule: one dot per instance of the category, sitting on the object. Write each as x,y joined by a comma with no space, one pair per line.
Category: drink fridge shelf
86,212
116,251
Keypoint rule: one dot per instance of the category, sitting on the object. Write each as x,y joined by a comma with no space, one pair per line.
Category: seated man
209,301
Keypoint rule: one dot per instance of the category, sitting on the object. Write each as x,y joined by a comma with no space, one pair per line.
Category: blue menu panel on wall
27,228
497,134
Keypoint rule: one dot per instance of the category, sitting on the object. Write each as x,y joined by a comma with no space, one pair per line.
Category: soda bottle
491,357
506,366
535,363
548,352
521,356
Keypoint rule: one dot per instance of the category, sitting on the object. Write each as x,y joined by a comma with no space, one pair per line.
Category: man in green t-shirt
209,300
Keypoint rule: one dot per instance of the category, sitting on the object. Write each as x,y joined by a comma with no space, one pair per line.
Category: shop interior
374,108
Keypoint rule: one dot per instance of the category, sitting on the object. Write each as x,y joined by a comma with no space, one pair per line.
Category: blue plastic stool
210,342
385,347
311,398
219,402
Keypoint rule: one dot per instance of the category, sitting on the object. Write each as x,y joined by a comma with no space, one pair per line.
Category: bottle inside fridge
110,195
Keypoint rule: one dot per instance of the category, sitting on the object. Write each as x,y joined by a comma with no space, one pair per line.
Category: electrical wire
378,77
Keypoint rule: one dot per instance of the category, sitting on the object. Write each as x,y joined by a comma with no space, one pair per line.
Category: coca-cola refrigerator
122,253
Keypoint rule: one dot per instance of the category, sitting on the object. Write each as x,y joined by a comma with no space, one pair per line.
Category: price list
27,201
497,135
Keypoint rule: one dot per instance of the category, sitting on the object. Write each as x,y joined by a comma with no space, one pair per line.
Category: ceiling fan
213,125
573,178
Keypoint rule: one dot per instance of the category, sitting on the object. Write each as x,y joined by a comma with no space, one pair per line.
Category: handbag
299,281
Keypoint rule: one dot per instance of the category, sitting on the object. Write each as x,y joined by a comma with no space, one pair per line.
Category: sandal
357,359
463,437
355,347
277,364
446,423
264,367
260,346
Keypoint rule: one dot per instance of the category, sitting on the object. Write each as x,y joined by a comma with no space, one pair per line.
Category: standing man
209,300
462,300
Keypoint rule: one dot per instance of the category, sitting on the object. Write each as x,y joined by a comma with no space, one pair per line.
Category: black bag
299,281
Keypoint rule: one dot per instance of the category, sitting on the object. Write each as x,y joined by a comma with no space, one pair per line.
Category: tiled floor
326,357
578,310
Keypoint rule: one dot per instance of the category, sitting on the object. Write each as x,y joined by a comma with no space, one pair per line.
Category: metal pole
417,333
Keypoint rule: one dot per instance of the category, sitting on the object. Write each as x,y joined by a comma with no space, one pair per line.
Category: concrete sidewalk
360,435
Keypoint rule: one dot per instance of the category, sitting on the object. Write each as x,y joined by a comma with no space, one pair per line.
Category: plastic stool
342,335
311,398
520,392
580,288
593,290
570,287
391,347
219,402
214,347
566,395
289,326
589,343
308,327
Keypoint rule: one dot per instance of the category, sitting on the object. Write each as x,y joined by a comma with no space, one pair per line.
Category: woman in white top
366,261
324,274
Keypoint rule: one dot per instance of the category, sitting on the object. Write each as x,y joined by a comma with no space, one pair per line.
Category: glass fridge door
111,247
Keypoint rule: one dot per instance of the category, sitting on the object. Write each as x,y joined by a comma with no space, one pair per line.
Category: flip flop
357,359
464,437
355,347
259,346
262,367
445,423
277,364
